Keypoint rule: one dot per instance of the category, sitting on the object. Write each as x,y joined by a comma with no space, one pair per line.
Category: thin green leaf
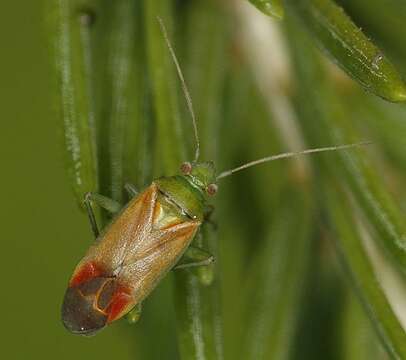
385,123
138,153
384,21
361,272
273,8
169,140
121,68
358,339
325,121
205,34
73,54
198,312
318,331
348,46
257,190
282,266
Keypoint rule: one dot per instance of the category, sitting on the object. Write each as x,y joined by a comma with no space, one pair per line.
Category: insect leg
200,262
194,257
131,189
104,202
134,314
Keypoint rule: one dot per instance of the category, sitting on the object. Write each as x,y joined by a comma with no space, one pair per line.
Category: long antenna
290,154
184,87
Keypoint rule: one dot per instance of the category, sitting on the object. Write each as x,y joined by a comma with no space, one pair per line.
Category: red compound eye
186,168
211,189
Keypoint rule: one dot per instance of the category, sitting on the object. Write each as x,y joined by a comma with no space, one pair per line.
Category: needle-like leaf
361,273
324,118
349,47
327,121
272,8
73,56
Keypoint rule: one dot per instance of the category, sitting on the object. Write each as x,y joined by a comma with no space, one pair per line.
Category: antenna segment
290,154
184,87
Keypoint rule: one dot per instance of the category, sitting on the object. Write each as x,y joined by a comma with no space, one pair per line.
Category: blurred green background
283,290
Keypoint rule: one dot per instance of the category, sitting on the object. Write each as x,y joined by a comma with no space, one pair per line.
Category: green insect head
202,175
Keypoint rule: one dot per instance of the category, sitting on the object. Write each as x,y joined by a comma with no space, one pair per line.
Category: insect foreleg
131,189
104,202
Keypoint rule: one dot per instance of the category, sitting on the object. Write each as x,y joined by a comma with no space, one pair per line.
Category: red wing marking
118,303
88,271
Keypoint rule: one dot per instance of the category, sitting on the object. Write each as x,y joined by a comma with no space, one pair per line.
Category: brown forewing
141,245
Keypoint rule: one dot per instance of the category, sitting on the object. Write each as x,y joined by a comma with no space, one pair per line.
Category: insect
150,236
